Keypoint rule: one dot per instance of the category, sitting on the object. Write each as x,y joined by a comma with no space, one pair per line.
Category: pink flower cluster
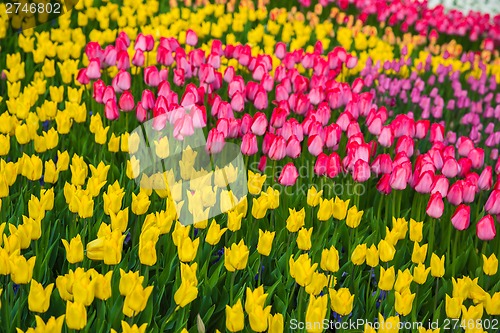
419,16
287,116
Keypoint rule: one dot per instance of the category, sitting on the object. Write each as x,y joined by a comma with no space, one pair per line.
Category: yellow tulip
493,304
340,208
128,281
140,203
301,269
403,280
419,253
316,312
304,239
420,273
354,217
437,266
214,233
275,323
325,209
404,302
74,249
4,145
358,256
372,257
235,319
21,270
453,307
265,243
255,182
341,301
136,300
318,282
76,315
22,134
187,249
186,293
52,325
236,257
126,328
386,251
102,286
234,219
330,259
313,196
400,226
255,316
260,207
387,278
114,143
416,230
490,265
295,220
39,297
388,325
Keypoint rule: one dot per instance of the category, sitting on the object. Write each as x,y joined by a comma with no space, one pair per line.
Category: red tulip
333,167
320,166
99,87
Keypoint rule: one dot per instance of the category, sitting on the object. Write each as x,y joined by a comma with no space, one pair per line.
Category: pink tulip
249,145
461,217
151,76
476,155
141,113
320,166
464,145
122,81
111,110
399,177
262,163
288,175
485,180
109,93
293,147
94,50
215,141
441,185
361,171
261,102
184,127
138,59
455,193
82,76
492,205
280,50
437,133
123,60
126,102
94,69
277,150
144,42
315,145
485,228
179,77
191,38
238,102
382,164
424,182
259,125
333,167
450,167
435,206
148,99
383,185
98,92
386,137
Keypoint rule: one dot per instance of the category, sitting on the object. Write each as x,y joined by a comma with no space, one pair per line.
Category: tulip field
249,166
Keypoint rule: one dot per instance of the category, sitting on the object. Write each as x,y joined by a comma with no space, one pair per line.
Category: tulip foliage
370,144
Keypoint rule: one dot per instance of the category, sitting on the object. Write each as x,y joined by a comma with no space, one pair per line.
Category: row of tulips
104,250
